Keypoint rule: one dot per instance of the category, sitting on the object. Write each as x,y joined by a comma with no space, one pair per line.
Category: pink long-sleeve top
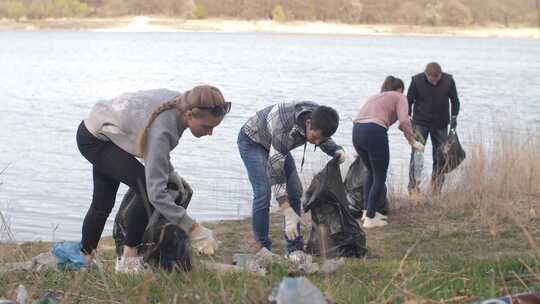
385,109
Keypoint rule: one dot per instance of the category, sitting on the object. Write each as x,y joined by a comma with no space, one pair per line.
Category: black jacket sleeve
454,98
411,95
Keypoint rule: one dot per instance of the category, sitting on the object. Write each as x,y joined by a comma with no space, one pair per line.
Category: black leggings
371,143
111,166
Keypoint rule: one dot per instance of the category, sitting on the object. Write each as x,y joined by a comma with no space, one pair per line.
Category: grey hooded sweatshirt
122,121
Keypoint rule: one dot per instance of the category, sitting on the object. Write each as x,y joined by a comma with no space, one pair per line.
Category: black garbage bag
164,244
451,153
354,187
327,201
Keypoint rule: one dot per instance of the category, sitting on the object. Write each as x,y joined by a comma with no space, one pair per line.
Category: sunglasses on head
218,110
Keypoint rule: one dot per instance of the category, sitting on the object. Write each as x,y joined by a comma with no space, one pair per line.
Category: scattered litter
23,298
298,262
49,298
250,263
301,263
242,259
299,257
300,266
9,267
227,268
297,290
521,298
42,261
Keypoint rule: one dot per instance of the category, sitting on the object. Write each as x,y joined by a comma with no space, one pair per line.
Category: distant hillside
413,12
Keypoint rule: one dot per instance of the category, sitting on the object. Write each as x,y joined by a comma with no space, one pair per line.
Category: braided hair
199,96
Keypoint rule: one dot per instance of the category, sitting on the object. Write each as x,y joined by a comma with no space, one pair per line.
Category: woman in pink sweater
370,139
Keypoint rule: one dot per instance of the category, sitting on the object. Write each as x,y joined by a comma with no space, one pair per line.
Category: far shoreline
169,24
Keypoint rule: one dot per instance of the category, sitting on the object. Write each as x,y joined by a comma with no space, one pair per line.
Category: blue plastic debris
69,255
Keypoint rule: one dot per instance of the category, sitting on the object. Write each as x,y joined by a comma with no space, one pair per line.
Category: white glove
291,223
203,240
418,146
341,155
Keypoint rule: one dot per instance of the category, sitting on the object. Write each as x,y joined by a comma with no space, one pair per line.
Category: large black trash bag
354,186
327,201
451,153
164,244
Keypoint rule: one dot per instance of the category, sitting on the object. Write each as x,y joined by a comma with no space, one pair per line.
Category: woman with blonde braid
145,125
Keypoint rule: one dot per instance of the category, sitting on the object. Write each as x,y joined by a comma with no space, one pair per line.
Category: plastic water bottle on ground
22,295
297,290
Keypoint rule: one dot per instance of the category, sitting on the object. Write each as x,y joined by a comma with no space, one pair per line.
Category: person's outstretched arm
404,121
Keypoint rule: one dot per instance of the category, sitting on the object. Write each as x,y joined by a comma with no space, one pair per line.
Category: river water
50,80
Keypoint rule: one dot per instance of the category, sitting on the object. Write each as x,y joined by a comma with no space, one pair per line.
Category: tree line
411,12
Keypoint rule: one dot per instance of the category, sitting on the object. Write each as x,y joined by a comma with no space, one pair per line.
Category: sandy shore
164,24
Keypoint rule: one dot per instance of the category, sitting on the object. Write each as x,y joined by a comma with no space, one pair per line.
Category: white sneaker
373,223
129,265
378,215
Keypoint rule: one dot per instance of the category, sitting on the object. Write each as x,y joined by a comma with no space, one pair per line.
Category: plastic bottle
297,290
22,295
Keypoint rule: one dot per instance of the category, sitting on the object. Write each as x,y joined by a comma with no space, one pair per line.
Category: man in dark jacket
429,95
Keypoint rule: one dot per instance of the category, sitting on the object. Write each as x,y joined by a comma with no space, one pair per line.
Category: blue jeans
255,158
371,143
438,138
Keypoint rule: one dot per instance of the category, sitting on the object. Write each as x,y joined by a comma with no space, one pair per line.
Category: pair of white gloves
202,239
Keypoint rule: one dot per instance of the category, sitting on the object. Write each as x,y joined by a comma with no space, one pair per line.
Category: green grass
406,261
